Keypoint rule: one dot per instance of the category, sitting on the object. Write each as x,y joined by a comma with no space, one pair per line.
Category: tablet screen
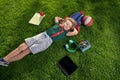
67,65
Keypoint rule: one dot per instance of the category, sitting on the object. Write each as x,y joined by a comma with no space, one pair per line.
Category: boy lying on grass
62,28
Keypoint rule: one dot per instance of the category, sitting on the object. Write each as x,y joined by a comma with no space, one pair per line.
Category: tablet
67,66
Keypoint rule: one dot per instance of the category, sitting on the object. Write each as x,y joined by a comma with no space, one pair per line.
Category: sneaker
3,63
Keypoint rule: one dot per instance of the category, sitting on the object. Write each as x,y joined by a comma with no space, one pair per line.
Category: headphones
71,46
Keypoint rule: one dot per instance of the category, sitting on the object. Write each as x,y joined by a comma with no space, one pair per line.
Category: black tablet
67,65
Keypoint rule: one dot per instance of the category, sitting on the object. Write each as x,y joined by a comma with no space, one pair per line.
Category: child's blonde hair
74,23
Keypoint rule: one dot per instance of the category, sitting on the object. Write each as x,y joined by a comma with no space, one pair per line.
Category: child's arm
57,19
73,33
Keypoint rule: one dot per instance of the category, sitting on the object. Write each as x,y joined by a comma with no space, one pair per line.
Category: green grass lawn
101,62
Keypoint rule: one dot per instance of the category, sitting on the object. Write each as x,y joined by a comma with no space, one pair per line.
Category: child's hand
73,33
57,19
82,12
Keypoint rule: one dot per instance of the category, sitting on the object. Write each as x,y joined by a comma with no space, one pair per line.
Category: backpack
78,17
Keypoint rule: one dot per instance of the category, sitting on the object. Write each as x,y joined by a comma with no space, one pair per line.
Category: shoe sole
3,63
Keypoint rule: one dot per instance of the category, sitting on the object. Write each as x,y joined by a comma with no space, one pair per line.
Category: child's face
67,25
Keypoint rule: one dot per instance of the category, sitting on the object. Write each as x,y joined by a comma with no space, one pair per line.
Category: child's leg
20,55
15,52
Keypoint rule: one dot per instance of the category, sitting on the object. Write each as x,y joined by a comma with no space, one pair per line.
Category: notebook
36,19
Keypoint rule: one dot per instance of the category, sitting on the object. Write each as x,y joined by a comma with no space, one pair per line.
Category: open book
36,19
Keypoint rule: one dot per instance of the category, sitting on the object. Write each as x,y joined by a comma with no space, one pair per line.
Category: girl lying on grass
62,28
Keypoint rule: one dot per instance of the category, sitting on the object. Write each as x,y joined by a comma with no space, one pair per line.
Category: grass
101,62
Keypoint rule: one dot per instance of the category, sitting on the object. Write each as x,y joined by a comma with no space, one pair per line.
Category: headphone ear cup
71,41
66,46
